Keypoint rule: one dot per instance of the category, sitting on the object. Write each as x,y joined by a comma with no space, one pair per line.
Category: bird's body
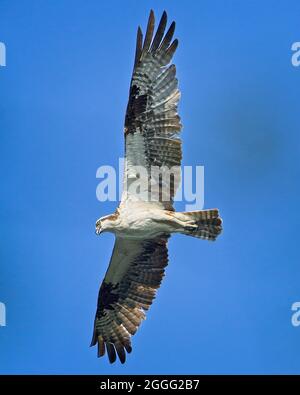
139,220
145,218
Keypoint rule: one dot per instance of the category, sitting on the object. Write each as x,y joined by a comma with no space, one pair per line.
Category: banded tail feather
204,224
142,227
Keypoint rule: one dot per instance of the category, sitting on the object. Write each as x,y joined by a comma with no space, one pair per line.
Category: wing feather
111,352
149,33
125,295
160,32
168,37
151,117
139,44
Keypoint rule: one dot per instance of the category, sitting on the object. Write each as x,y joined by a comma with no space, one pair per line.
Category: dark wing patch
135,273
152,106
107,297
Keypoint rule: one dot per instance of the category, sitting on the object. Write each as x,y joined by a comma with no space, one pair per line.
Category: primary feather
143,227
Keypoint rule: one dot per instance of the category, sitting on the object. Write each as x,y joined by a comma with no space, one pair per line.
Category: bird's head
99,226
106,223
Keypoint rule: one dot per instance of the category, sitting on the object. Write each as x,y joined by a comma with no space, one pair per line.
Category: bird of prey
142,226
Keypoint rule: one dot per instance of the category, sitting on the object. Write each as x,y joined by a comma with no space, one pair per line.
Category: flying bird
142,226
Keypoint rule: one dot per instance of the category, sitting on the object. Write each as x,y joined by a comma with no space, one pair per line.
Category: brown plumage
142,229
121,306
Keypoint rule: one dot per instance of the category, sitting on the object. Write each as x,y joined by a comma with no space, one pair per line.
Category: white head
106,223
98,226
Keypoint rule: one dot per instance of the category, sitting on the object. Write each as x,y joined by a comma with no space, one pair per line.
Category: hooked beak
98,230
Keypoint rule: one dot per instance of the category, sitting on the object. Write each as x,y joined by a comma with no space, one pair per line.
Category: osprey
142,226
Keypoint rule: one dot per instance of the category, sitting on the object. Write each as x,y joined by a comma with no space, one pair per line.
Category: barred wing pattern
135,272
152,124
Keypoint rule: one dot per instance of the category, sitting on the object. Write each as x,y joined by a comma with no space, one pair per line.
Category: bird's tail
204,224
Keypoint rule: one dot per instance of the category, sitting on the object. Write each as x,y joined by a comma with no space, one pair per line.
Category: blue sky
224,307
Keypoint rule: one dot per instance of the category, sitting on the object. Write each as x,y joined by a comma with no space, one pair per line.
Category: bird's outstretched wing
152,124
135,272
